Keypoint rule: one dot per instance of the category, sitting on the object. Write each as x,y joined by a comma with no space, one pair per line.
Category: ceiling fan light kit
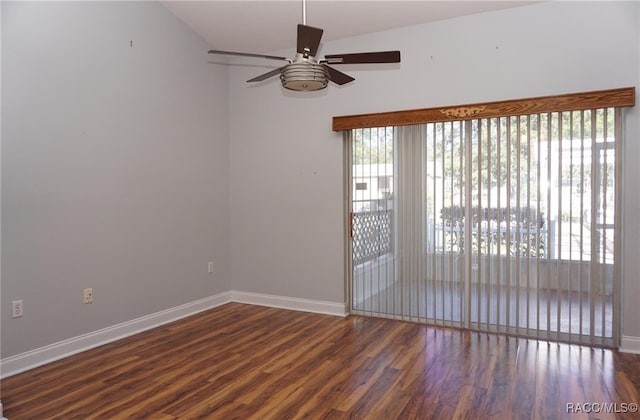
305,72
304,76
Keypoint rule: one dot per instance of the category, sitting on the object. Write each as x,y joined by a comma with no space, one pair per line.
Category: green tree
373,145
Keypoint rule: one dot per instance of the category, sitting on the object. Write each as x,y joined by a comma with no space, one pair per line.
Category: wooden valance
623,97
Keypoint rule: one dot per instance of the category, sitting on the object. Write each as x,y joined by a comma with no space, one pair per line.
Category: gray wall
286,166
115,167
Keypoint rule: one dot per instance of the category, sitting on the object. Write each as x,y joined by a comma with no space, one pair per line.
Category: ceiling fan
305,72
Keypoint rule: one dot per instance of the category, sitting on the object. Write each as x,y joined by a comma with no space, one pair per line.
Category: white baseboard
47,354
295,304
630,344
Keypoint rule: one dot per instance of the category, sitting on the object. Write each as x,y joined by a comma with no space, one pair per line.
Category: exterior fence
525,235
493,239
371,233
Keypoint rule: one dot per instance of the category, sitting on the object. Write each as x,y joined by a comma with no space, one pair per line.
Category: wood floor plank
249,362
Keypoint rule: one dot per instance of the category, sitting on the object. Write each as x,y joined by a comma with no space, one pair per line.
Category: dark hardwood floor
242,361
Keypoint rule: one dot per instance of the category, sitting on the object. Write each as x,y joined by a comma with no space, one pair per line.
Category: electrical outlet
88,295
17,310
210,266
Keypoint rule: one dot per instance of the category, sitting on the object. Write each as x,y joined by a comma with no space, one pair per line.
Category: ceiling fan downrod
304,12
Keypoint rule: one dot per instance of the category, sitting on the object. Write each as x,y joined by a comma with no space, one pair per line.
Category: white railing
371,233
493,239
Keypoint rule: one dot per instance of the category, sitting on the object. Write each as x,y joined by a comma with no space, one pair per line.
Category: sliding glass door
496,224
371,221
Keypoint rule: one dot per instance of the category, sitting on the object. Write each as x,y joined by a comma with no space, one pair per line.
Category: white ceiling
265,26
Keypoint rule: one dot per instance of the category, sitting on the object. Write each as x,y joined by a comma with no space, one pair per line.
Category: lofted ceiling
265,26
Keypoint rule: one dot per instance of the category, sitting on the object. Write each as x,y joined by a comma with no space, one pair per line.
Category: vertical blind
505,224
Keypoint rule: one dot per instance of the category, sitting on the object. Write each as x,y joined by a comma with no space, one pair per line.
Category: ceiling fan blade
338,77
267,75
364,58
241,54
308,40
